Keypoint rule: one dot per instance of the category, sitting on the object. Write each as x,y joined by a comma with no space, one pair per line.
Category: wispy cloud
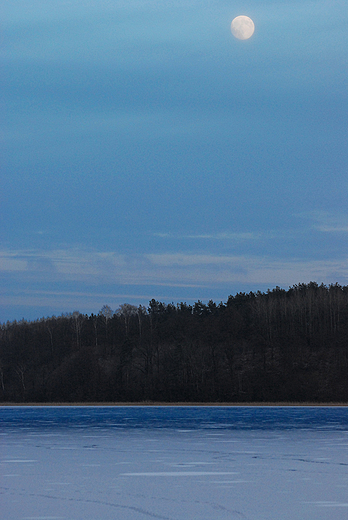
232,236
68,300
327,222
226,235
60,280
166,269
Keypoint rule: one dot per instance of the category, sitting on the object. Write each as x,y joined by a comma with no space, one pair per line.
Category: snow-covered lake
174,463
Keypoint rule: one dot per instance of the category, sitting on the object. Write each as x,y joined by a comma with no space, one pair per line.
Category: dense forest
278,346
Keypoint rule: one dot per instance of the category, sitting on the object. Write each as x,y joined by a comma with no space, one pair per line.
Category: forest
277,346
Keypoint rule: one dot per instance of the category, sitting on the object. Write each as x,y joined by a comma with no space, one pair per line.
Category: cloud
237,237
209,270
180,269
50,282
327,222
8,263
216,236
67,300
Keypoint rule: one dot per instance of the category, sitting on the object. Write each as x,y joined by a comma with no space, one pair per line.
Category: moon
242,27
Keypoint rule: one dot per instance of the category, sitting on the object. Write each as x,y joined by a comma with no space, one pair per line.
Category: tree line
278,346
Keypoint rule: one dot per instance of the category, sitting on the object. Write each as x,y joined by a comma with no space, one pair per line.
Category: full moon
242,27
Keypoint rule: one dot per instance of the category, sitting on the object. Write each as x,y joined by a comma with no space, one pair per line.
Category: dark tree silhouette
282,345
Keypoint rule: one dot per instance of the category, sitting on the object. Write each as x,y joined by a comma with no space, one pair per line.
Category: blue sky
147,153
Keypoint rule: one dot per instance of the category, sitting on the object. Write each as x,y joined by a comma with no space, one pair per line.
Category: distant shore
146,403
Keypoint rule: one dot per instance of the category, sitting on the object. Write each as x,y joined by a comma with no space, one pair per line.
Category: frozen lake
174,463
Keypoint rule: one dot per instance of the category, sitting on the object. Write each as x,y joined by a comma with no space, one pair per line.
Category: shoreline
182,404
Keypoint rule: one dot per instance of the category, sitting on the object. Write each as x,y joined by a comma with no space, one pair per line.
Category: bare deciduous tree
126,310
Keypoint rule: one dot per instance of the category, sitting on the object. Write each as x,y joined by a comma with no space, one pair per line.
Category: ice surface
92,470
